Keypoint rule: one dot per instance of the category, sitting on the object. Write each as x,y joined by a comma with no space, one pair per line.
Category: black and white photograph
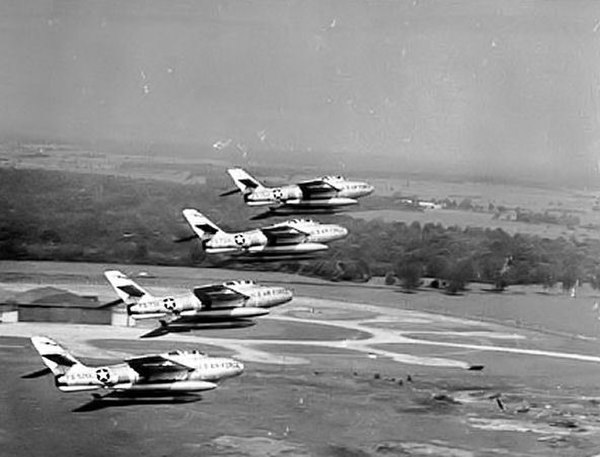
300,228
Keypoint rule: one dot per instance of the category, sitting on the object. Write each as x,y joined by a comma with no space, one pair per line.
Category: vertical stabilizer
127,290
54,356
243,180
201,225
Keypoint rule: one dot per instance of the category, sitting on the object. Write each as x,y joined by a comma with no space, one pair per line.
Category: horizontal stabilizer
263,215
37,374
158,331
185,238
230,192
110,304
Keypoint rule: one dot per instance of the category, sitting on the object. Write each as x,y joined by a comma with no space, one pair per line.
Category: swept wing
157,364
317,188
283,234
217,293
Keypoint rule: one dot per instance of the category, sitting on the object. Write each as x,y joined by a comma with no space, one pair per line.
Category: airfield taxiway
367,330
323,377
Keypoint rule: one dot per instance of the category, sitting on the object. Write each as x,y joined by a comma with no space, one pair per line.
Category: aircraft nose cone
240,368
370,189
343,232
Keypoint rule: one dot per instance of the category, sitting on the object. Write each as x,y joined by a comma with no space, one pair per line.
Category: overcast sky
493,86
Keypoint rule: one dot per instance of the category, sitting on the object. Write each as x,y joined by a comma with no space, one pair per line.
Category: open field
327,374
551,311
190,167
167,167
459,218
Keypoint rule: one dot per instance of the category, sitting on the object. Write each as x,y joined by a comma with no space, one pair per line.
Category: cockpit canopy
241,282
178,352
302,221
333,178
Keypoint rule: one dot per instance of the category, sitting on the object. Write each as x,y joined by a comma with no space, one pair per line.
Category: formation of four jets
193,371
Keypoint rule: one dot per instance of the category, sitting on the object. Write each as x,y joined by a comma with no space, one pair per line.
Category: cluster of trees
70,216
455,256
548,217
564,217
76,217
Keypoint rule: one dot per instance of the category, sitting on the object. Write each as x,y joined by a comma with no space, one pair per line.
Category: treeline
455,256
49,215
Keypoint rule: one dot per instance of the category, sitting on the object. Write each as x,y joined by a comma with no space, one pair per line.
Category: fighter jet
228,301
326,193
291,238
154,374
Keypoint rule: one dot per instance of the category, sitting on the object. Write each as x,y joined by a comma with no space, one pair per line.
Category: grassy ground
189,168
340,402
449,218
522,307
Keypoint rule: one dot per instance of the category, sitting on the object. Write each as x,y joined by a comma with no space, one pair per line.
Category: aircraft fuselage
315,231
254,302
256,243
345,193
226,242
203,373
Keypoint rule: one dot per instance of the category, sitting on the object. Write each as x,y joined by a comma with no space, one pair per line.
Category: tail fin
126,289
201,225
54,356
243,180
